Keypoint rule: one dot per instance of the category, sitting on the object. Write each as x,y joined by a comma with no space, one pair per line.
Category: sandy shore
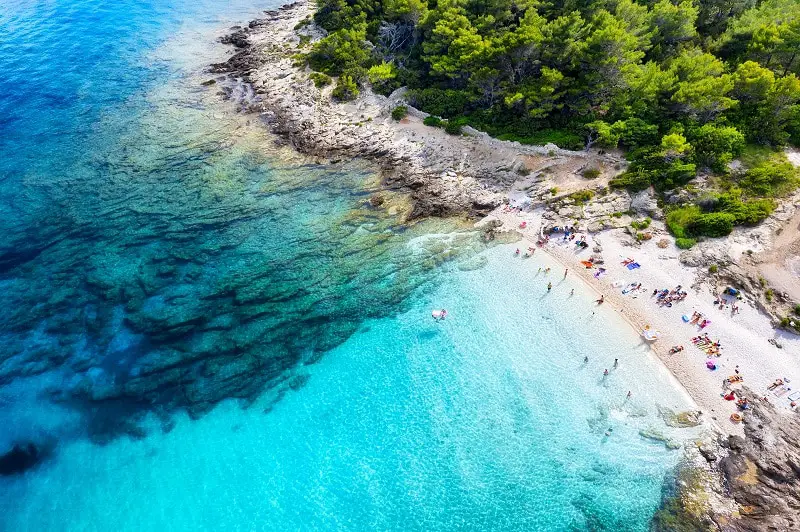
744,336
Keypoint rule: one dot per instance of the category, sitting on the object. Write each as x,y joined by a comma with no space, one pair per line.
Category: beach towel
633,265
685,318
630,287
780,391
794,396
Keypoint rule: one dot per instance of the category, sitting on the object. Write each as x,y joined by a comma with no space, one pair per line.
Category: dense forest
682,86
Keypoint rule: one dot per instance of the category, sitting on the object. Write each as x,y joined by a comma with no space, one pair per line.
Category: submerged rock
22,457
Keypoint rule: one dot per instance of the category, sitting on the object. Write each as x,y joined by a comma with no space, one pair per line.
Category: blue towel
633,265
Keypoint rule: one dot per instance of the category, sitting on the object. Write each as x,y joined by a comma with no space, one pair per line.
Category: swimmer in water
605,372
549,286
572,292
586,359
609,431
629,393
600,301
616,362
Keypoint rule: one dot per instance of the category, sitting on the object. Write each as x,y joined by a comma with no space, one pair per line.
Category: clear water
132,200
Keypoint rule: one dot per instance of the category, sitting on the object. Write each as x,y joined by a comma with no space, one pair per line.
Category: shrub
433,121
716,146
591,173
441,102
339,51
713,268
320,79
642,224
762,282
679,218
582,196
769,294
399,112
452,127
797,309
714,224
554,191
685,243
383,78
634,181
770,179
346,89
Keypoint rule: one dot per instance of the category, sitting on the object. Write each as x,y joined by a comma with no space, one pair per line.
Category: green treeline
681,85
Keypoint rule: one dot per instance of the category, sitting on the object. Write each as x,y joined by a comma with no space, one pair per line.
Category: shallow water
157,253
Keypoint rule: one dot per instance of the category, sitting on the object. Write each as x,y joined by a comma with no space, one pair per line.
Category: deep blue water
158,255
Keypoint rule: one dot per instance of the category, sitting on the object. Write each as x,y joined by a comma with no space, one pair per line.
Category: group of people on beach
697,319
666,297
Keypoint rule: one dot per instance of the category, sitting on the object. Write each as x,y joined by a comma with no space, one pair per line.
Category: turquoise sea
203,331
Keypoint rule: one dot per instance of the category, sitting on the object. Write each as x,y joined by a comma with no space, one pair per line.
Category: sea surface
213,333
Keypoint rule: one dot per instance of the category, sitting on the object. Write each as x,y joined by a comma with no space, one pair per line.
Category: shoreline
475,175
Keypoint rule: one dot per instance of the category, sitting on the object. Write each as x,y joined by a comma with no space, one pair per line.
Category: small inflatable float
439,314
736,417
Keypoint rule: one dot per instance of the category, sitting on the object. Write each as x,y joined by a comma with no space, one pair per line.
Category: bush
453,127
346,89
634,181
679,218
320,79
771,179
642,224
591,173
769,294
797,309
716,146
713,268
433,121
582,196
714,224
383,78
339,51
685,243
399,112
441,102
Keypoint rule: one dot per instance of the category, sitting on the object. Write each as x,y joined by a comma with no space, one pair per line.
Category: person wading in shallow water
549,286
600,301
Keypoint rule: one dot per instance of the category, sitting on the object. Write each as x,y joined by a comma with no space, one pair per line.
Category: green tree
701,92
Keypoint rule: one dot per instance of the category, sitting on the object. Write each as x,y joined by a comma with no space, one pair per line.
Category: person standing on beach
565,273
616,362
600,301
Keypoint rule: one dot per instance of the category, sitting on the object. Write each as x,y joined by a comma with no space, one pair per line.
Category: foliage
452,127
642,224
320,80
346,89
713,268
591,173
399,112
383,78
433,121
582,196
